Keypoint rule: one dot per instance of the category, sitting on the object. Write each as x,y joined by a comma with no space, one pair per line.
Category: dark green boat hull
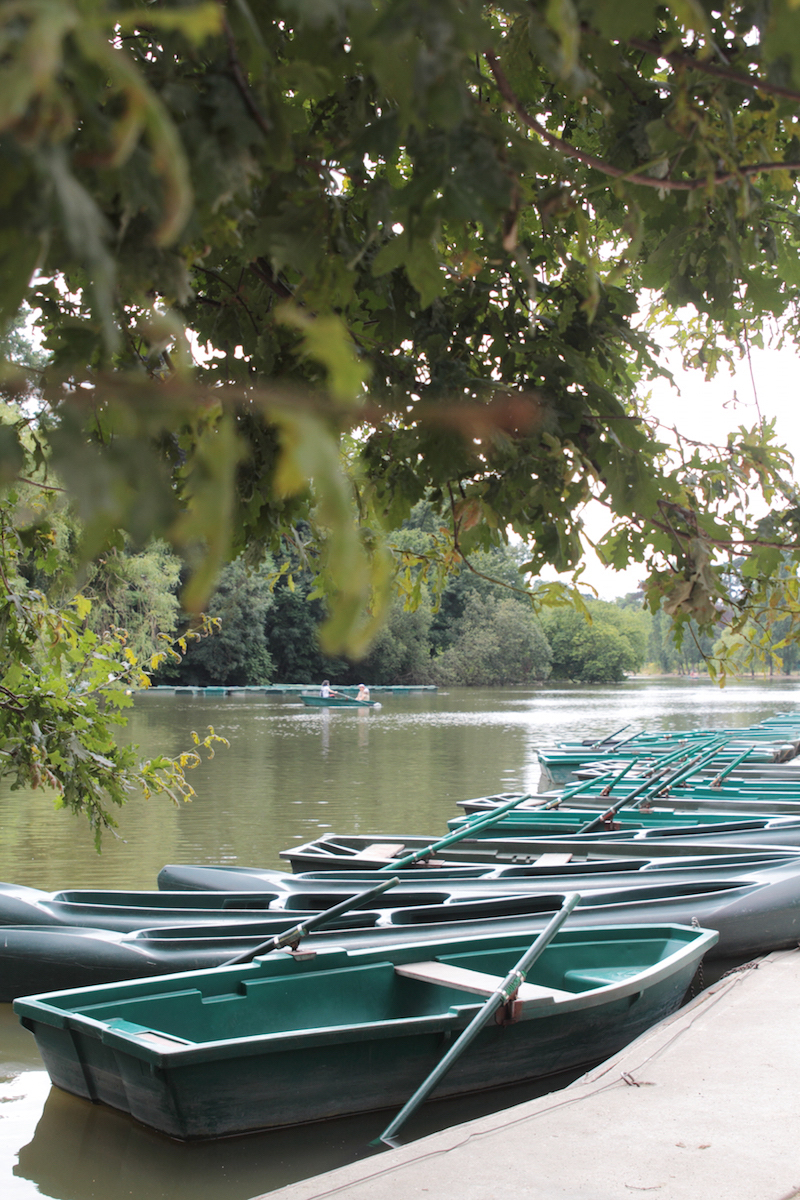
343,852
289,1040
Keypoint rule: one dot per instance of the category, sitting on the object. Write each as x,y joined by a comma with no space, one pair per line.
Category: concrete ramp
706,1106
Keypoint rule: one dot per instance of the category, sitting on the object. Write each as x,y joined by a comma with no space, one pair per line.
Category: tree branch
519,591
569,151
264,271
719,543
688,60
45,487
13,703
263,123
236,292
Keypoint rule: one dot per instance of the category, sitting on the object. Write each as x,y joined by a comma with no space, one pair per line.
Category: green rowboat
295,1038
337,702
343,852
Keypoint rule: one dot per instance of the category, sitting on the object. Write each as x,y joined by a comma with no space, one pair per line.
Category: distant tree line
481,630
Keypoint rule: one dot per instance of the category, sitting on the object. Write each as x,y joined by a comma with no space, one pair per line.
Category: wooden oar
610,737
681,753
626,741
646,790
292,936
501,996
665,760
691,768
656,778
475,820
717,780
568,793
457,836
607,790
652,786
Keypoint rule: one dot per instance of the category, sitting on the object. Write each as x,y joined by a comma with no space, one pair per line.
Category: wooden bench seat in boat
386,851
477,982
383,850
153,1037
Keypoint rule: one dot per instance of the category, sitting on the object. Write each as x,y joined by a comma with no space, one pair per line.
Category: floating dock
280,689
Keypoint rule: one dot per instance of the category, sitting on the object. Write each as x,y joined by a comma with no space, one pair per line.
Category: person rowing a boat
329,693
363,692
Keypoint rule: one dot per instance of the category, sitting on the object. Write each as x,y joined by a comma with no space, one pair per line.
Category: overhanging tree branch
688,60
666,184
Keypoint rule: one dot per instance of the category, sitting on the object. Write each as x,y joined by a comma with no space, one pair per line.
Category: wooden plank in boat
477,982
553,860
153,1037
386,851
162,1041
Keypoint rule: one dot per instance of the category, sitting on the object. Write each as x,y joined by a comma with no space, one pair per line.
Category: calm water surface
290,774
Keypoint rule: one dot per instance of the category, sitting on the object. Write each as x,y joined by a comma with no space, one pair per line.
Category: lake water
289,775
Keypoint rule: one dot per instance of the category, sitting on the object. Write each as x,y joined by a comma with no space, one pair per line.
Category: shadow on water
82,1150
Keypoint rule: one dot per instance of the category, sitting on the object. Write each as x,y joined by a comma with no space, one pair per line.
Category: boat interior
237,1003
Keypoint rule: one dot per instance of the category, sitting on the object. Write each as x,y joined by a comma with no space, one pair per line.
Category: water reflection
82,1150
290,774
364,716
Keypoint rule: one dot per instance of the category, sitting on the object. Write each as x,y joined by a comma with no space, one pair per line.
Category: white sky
707,412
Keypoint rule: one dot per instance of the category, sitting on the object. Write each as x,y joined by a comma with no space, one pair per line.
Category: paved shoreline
705,1106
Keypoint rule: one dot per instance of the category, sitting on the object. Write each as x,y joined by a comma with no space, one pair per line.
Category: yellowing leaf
327,340
83,606
198,22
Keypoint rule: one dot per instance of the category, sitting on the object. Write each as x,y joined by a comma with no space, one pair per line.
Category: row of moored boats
536,934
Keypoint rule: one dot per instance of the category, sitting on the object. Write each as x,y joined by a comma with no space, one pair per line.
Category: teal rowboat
280,897
289,1038
337,702
536,824
753,911
342,852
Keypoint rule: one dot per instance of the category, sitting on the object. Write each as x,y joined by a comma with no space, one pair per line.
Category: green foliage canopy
439,230
498,643
136,592
237,653
64,689
601,651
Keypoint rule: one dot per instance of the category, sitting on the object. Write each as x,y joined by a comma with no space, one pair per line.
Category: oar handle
500,996
608,789
298,932
666,760
627,740
568,793
697,763
651,787
717,780
657,779
457,835
683,752
610,737
604,816
654,786
657,786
